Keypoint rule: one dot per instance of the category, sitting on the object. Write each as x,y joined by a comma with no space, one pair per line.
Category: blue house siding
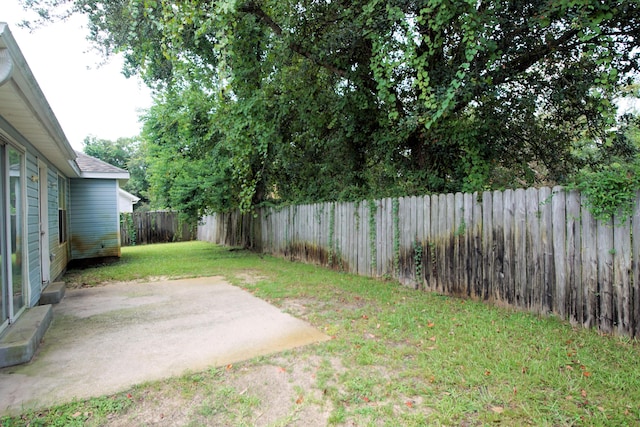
94,218
33,230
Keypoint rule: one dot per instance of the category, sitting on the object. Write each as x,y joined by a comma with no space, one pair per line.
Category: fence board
546,235
621,269
477,244
469,249
605,275
589,266
508,263
426,244
487,245
574,290
622,280
559,222
459,269
498,246
443,280
520,236
433,244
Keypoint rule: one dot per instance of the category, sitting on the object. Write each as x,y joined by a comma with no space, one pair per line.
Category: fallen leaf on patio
497,409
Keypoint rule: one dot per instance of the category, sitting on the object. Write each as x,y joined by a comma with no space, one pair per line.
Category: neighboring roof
90,167
127,195
25,114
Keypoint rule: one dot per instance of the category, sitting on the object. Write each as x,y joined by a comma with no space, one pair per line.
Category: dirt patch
250,277
278,391
72,284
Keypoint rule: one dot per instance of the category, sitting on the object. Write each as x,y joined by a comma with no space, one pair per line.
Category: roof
25,115
134,199
90,167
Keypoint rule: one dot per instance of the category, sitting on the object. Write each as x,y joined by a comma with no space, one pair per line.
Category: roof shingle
87,163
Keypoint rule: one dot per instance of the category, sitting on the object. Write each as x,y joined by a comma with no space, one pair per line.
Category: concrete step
19,342
53,293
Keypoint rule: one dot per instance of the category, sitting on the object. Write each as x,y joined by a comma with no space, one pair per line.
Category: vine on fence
395,206
611,191
417,257
126,221
372,234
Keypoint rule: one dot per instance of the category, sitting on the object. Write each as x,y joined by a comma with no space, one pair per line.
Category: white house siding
94,218
33,230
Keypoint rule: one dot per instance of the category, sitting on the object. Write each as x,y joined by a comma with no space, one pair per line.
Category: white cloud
87,98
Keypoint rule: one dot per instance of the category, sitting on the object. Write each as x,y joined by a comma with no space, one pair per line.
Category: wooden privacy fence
141,228
536,249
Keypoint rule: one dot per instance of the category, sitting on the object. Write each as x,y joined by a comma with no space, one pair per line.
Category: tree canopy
308,100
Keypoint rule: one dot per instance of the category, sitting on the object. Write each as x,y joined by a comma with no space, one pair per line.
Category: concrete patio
106,339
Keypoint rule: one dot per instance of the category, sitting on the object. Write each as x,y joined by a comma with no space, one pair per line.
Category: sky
88,99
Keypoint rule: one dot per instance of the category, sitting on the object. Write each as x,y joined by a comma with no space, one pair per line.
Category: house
56,206
126,201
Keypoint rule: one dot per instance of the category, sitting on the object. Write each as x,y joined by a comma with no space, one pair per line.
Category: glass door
5,309
14,292
16,209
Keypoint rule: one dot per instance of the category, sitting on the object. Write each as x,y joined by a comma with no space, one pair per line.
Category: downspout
6,66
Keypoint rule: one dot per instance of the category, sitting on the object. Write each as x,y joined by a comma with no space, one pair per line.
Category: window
62,210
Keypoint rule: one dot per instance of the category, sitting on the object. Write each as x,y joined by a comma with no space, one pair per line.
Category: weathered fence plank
559,222
487,245
477,244
520,236
469,252
621,270
546,235
573,288
497,219
605,274
589,266
508,254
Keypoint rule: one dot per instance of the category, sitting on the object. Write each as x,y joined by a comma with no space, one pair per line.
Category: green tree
328,100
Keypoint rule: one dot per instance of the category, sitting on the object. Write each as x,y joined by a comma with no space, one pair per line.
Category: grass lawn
397,357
